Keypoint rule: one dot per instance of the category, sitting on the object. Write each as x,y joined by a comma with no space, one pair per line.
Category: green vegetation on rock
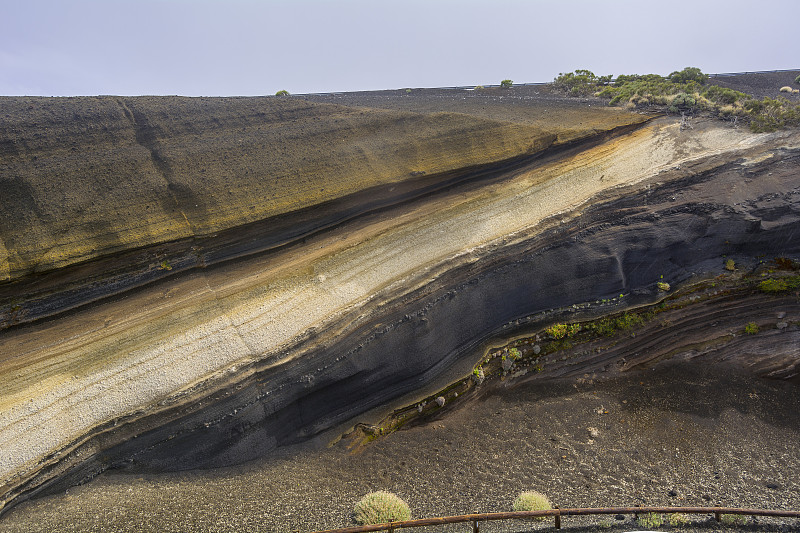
681,92
506,84
650,520
282,92
380,507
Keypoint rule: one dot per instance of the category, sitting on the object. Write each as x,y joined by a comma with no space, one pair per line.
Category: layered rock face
199,281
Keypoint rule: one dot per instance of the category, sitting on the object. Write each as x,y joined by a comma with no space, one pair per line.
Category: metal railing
557,513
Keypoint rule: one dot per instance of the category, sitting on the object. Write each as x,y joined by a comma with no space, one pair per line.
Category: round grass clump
532,501
380,507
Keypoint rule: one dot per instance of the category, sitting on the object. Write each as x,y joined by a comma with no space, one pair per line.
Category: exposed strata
158,185
220,365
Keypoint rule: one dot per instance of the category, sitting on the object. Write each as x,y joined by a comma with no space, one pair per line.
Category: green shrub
604,326
680,91
557,331
506,84
730,265
797,79
733,519
650,520
282,92
751,328
380,507
581,82
532,501
684,101
677,519
687,75
773,285
663,286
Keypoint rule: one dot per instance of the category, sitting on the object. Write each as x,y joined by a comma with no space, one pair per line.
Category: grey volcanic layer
680,229
443,231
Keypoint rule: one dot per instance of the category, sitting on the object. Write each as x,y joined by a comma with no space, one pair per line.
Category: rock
673,493
782,325
773,486
781,314
440,401
619,517
537,349
593,432
507,363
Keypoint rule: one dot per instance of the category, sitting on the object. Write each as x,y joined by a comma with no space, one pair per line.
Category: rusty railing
557,513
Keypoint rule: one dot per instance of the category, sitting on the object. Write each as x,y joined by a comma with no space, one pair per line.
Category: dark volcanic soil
760,84
679,434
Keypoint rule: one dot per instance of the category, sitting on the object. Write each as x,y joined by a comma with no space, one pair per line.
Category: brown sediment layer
88,177
218,367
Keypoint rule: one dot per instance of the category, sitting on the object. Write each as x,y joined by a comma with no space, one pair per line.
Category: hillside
197,283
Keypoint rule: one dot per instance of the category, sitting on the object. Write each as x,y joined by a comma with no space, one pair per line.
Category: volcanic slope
104,194
218,366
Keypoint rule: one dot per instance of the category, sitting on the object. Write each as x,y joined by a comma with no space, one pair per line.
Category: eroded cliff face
252,328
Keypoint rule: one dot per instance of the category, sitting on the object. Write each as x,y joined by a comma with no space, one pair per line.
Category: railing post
475,528
391,529
718,516
558,517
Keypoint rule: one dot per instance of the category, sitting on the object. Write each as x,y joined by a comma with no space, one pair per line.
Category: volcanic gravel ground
678,435
760,85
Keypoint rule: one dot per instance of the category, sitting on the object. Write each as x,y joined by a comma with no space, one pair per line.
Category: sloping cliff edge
217,366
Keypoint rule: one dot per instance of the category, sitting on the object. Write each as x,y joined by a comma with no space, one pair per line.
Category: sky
257,47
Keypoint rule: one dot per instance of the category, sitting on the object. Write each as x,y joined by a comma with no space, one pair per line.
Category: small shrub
751,328
730,265
663,286
786,89
380,507
677,519
773,285
165,265
604,327
581,82
532,501
650,520
515,354
557,331
733,519
683,101
282,92
797,79
506,84
688,74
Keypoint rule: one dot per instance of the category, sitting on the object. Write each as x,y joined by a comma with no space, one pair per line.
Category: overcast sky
254,47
